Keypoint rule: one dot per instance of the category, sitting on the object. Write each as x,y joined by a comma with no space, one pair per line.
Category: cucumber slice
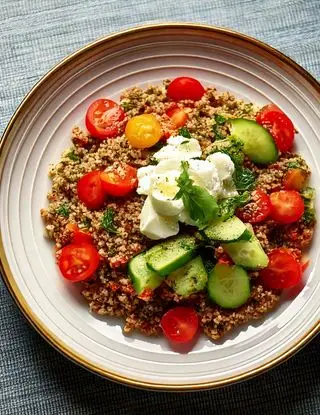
229,286
247,253
229,230
258,143
141,276
190,278
171,254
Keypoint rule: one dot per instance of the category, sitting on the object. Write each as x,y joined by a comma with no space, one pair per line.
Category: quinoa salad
181,209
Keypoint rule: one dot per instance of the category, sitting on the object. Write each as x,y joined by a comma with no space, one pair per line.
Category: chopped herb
293,165
308,195
199,203
73,156
184,132
63,210
107,221
126,105
227,207
230,146
309,215
217,133
219,119
244,179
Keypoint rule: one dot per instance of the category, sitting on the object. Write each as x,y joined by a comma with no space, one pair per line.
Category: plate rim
8,277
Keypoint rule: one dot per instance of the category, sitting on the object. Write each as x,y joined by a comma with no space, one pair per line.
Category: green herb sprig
107,221
63,210
73,156
216,128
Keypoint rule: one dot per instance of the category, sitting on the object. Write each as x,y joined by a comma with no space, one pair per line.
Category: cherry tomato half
78,262
90,190
178,116
295,179
286,206
185,88
143,131
257,210
79,236
279,125
283,270
180,324
120,180
103,119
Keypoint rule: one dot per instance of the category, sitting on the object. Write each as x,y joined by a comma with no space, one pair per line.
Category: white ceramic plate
40,130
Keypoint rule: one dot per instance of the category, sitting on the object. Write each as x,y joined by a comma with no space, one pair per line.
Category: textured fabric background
35,34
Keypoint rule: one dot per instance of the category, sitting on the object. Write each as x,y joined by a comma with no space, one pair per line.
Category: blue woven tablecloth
35,34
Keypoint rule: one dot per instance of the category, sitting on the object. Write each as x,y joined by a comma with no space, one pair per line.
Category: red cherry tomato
286,206
257,210
295,179
79,236
103,119
283,270
119,181
90,190
78,262
178,116
185,88
180,324
279,125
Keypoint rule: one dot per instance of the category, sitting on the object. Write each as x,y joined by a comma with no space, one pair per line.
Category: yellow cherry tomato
143,131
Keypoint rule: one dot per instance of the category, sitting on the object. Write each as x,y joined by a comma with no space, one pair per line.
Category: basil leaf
244,179
200,205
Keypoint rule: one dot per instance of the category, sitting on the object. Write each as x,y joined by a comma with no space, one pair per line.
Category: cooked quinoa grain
110,291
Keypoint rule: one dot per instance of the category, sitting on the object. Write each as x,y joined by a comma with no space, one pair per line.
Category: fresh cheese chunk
223,164
179,148
163,191
156,226
165,166
144,175
205,174
225,169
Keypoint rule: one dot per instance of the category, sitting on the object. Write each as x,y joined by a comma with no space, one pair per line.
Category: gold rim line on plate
137,33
